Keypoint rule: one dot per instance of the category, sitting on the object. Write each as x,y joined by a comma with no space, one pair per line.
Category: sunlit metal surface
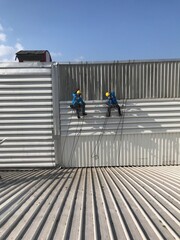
26,119
147,134
90,203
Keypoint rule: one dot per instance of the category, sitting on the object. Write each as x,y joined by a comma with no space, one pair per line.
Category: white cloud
8,52
18,46
56,54
2,37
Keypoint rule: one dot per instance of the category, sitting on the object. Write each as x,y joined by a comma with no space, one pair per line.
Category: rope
62,153
96,156
76,137
3,140
120,119
122,127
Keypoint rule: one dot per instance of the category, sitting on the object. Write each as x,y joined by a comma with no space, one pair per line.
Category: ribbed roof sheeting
148,133
26,119
90,203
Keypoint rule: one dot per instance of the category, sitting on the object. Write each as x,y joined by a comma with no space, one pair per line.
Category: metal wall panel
147,134
26,118
132,80
90,203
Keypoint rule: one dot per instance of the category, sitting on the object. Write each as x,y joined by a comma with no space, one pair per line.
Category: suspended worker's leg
77,108
83,109
119,109
77,112
108,114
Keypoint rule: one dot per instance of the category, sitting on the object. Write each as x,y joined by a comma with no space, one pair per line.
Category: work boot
78,116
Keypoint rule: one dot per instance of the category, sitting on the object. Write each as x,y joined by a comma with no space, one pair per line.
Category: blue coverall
112,103
78,104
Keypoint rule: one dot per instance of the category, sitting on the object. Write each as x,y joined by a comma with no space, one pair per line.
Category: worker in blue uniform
112,103
78,103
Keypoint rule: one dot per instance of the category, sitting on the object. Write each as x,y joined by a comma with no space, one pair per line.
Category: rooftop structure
77,198
34,56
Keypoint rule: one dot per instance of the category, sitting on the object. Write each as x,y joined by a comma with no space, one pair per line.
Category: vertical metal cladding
128,150
131,80
26,119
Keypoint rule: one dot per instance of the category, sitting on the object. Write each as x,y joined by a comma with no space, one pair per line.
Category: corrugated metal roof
90,203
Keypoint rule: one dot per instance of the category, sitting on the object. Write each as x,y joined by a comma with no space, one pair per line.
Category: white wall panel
26,118
147,134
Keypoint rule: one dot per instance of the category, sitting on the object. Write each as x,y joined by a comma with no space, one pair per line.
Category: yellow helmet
107,94
78,92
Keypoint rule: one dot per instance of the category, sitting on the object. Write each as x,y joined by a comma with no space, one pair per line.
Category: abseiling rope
97,145
122,127
3,140
62,151
76,137
120,120
93,155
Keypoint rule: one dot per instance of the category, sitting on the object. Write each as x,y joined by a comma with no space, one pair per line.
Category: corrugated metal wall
26,115
147,134
31,122
132,80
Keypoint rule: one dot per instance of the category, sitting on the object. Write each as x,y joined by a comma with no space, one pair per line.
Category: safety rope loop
3,140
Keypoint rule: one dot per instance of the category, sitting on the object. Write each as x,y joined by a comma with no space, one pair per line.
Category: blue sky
91,30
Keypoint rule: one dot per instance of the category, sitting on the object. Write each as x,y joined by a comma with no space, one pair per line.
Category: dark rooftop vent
34,56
